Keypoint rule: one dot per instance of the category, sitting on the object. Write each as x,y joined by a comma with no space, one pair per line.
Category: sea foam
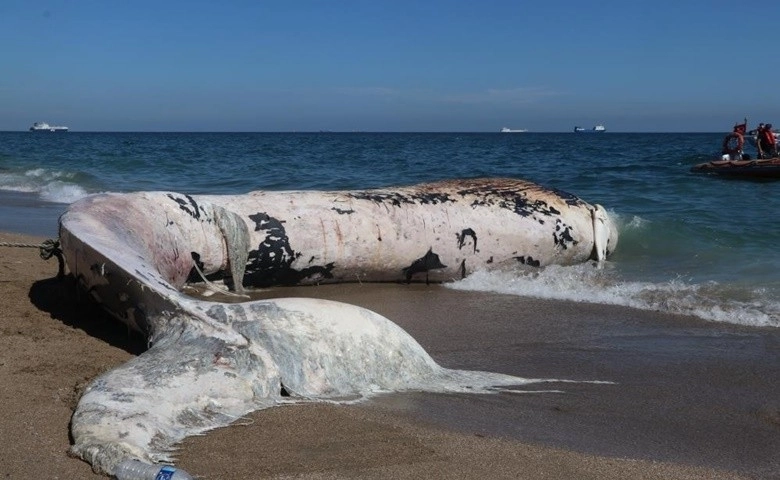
61,192
586,283
51,185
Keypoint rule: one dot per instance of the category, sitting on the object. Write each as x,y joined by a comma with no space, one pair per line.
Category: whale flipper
600,232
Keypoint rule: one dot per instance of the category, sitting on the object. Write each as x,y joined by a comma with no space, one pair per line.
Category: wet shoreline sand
688,398
26,213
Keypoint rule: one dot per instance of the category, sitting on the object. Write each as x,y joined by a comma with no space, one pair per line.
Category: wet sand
688,398
25,212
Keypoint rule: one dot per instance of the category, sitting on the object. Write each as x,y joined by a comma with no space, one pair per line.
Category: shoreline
690,399
684,389
27,214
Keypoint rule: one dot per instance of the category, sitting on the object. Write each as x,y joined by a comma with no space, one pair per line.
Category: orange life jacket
767,137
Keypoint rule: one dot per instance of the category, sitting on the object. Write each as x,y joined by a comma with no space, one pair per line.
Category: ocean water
689,243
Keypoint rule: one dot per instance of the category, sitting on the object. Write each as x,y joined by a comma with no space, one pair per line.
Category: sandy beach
687,399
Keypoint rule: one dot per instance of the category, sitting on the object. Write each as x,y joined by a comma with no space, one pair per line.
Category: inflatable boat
756,169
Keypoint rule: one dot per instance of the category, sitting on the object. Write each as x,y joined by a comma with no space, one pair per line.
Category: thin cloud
519,95
367,91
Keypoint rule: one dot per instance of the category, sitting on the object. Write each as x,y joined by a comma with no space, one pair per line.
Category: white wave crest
60,192
585,283
51,185
16,182
634,223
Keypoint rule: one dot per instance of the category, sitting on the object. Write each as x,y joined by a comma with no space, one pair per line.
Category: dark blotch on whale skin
571,200
511,196
505,194
396,199
519,205
509,188
429,261
271,263
528,261
462,238
342,212
188,205
562,235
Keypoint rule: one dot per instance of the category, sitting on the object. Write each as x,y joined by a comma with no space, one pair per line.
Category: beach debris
47,249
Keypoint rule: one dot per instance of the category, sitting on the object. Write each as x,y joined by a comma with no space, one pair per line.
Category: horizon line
362,131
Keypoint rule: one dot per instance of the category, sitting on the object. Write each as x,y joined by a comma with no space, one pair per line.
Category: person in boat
766,142
732,144
755,131
757,134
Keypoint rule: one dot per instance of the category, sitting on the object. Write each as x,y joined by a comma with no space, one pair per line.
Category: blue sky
375,65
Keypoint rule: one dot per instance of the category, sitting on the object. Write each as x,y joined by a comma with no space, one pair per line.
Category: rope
49,248
28,245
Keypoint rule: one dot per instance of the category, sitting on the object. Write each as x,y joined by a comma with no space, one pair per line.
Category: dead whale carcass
209,363
439,231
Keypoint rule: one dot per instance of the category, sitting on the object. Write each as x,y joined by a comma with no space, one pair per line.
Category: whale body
209,363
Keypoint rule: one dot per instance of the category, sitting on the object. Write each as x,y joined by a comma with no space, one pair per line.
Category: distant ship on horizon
597,128
513,130
45,127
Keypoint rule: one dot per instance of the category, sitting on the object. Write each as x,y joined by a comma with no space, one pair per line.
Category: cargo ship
597,128
45,127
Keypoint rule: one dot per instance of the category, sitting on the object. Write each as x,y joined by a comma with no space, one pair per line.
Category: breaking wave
54,186
586,283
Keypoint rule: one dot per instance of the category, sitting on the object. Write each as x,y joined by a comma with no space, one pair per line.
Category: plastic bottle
138,470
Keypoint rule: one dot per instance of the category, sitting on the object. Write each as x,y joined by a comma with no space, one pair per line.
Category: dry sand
52,344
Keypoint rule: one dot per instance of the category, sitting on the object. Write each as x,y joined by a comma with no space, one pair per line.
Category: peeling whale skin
209,363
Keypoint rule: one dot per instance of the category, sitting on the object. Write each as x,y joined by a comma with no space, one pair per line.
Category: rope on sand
49,248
